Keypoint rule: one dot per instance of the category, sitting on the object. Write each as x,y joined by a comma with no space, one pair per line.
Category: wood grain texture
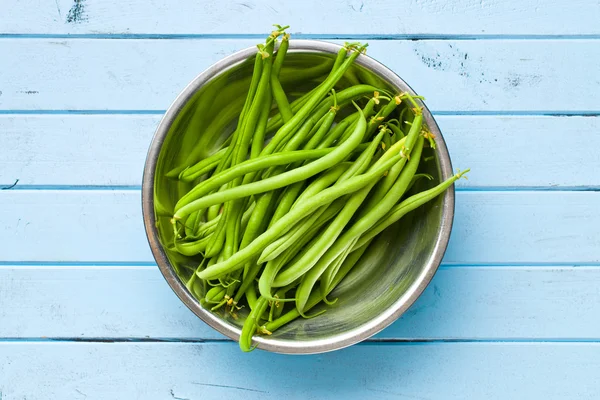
345,17
466,303
107,150
454,76
101,226
495,371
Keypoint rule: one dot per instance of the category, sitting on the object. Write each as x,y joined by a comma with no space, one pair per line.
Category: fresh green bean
315,297
278,246
278,181
373,215
215,128
417,178
276,89
287,199
192,248
407,206
255,164
259,135
291,126
326,179
386,183
250,324
290,219
311,256
202,167
288,245
364,160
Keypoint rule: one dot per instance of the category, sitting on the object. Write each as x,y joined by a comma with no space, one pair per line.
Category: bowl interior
391,273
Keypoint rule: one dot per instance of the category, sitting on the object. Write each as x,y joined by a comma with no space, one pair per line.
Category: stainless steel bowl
392,273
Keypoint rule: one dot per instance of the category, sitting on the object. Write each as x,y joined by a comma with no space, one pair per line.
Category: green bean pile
287,206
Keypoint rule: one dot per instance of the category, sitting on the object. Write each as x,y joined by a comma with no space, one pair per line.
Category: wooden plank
111,149
466,303
75,149
454,76
98,226
551,371
471,17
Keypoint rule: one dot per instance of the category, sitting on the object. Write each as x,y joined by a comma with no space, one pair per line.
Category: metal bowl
391,274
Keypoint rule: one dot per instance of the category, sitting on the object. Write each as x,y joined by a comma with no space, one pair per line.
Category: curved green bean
278,181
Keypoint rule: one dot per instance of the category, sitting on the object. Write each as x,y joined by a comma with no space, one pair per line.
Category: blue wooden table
514,311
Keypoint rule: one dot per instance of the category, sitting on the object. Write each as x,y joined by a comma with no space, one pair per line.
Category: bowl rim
337,341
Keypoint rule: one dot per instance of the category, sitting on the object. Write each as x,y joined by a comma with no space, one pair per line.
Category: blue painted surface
512,313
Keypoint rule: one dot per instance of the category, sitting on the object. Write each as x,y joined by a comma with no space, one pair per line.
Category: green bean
287,199
406,206
259,135
373,215
276,121
294,241
299,137
204,229
324,128
216,127
215,210
277,247
417,178
275,182
326,179
311,256
277,90
246,167
335,266
215,295
256,225
217,240
335,134
191,248
291,74
315,297
398,133
387,140
363,161
250,324
379,117
251,297
273,266
367,112
190,223
339,59
292,217
257,74
291,242
281,52
260,104
242,133
202,167
290,127
386,183
279,305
